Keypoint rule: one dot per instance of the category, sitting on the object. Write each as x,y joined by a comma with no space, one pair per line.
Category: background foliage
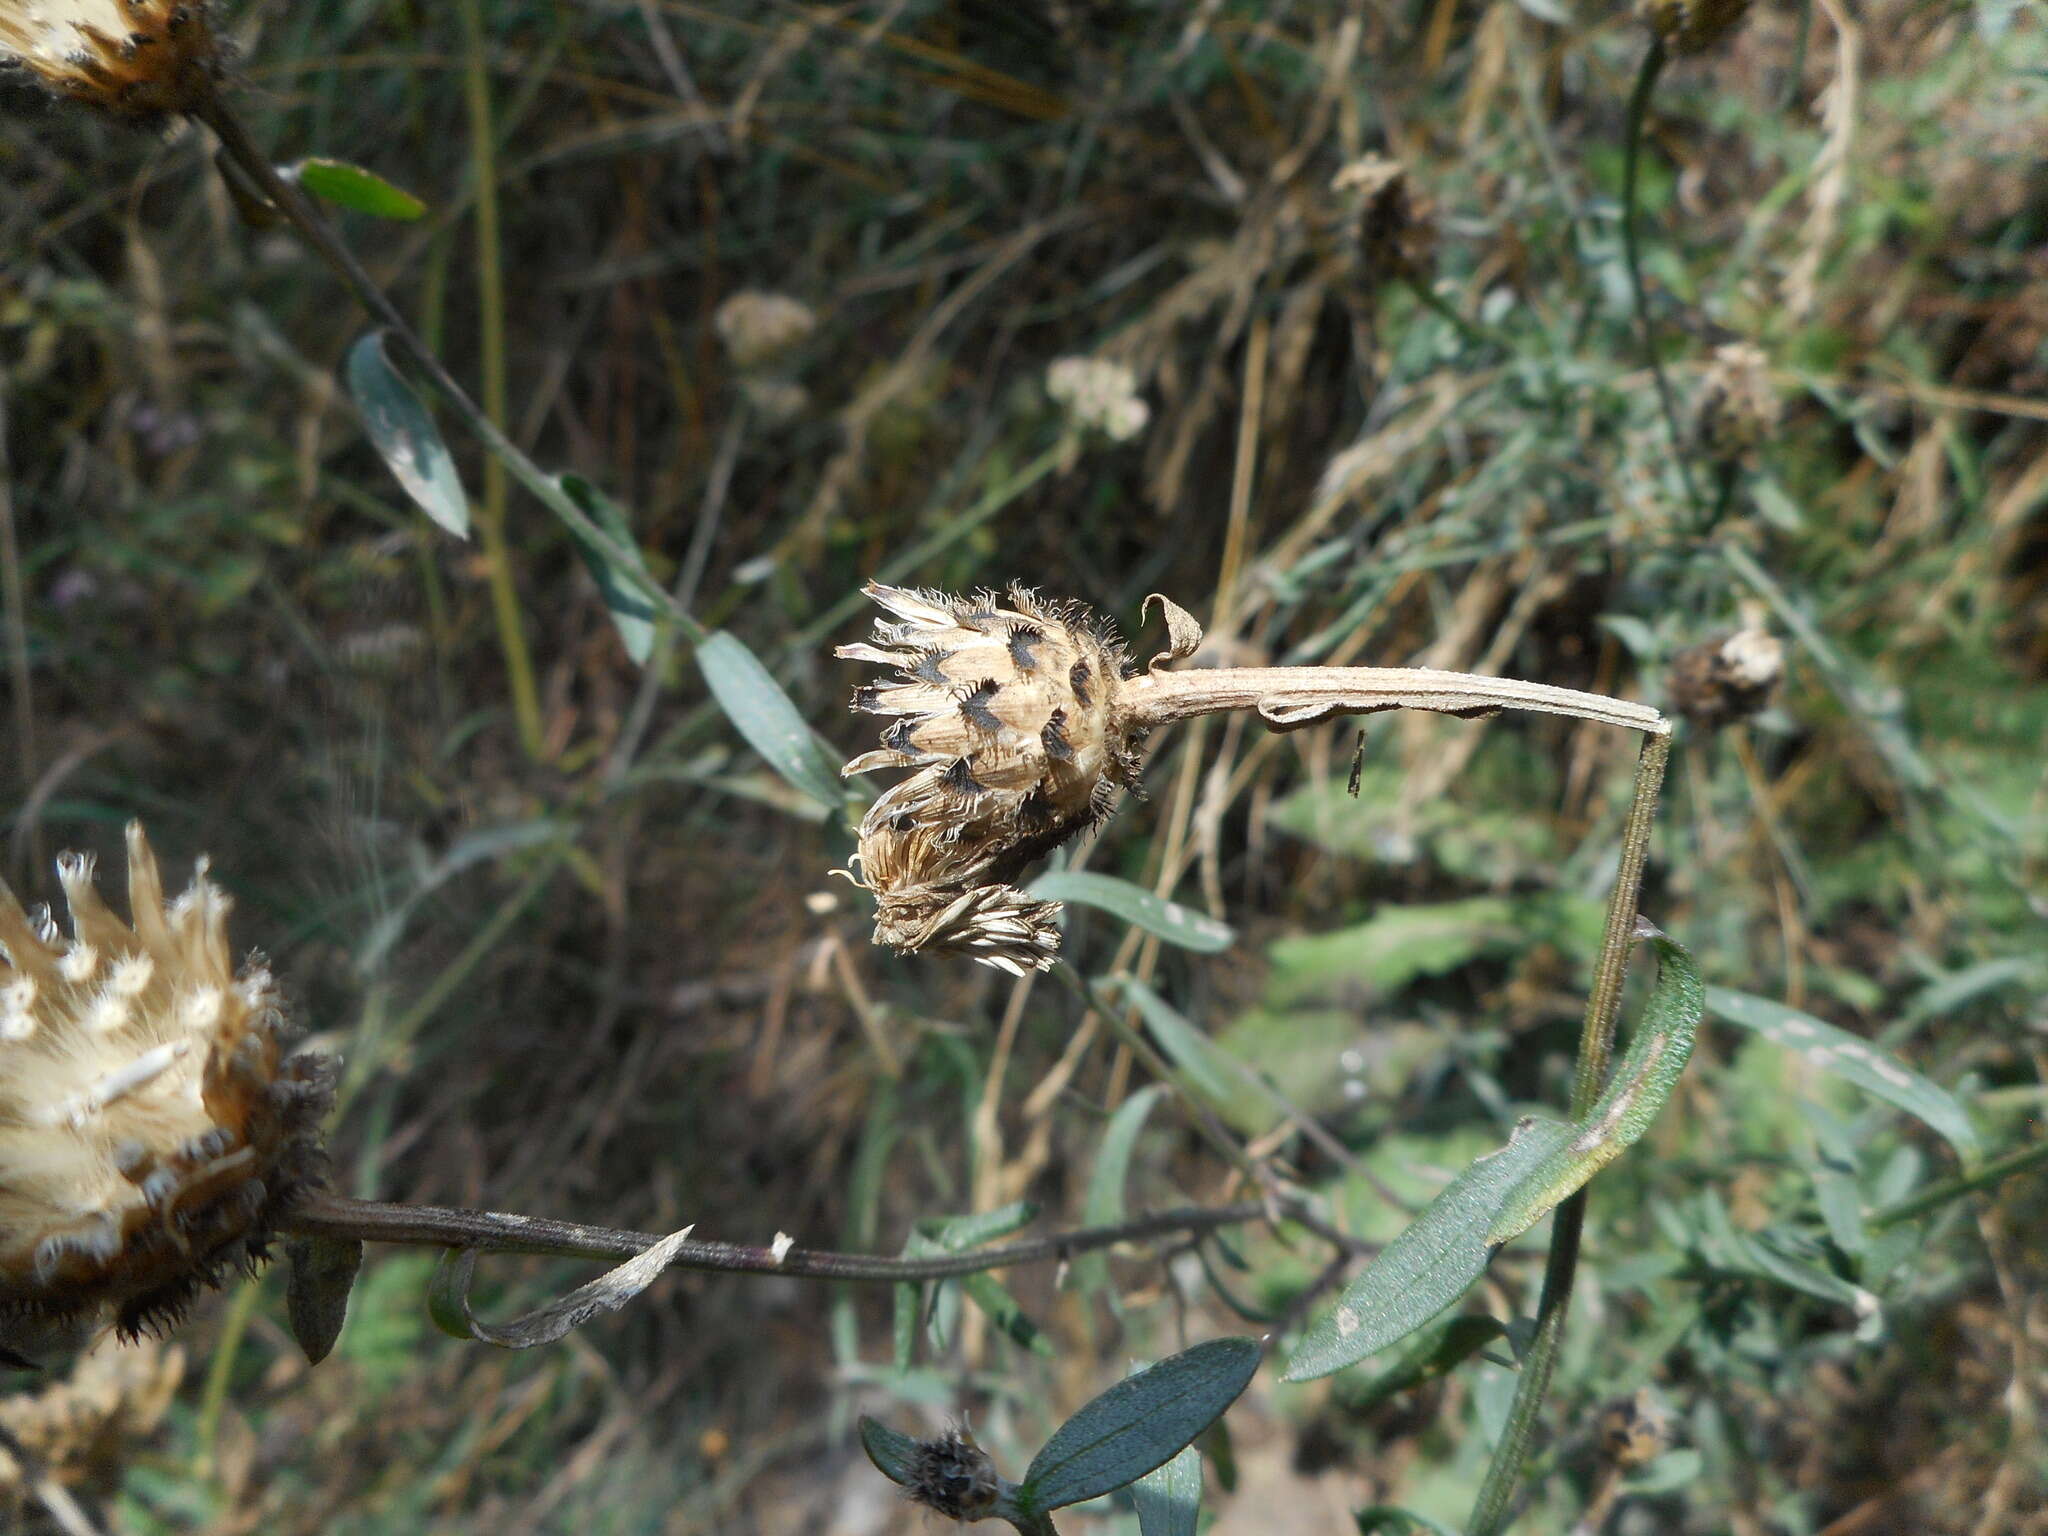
604,975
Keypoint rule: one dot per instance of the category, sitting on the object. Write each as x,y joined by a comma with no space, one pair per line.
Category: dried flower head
1098,396
1738,409
1395,232
138,59
1727,678
1021,721
761,328
1691,26
954,1476
79,1428
1007,709
149,1130
1634,1431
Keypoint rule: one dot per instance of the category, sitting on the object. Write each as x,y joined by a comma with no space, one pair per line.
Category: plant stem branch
1934,1196
1490,1512
623,558
322,1214
1288,698
1631,160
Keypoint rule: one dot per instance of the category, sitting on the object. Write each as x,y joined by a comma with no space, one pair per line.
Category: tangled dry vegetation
1365,271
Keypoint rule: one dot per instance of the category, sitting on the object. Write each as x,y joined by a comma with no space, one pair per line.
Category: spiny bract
1007,709
138,59
149,1131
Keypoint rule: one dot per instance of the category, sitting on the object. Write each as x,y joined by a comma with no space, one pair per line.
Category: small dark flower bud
954,1476
1691,26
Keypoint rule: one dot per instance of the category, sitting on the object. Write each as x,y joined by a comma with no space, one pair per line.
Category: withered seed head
149,1131
137,59
1007,709
1737,410
1727,678
954,1476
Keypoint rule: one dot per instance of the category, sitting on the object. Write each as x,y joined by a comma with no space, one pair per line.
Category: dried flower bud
760,328
1098,396
1395,232
1690,26
954,1476
1634,1431
1727,678
138,59
1008,711
1738,409
149,1133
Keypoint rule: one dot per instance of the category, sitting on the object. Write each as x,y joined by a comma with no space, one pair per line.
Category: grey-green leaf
323,1272
1135,905
1854,1061
350,186
405,436
763,714
1203,1065
1636,1093
1105,1202
1430,1265
633,613
890,1450
1169,1498
448,1297
1138,1424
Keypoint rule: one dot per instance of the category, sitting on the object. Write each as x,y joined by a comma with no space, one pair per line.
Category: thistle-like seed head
1738,409
760,328
1691,26
150,1131
137,59
1007,711
954,1476
1098,395
1727,678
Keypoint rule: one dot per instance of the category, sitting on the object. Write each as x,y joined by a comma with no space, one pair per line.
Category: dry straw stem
1020,721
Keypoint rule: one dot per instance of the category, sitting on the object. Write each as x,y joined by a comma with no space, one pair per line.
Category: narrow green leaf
1135,905
909,1299
763,714
1006,1312
350,186
1104,1205
1433,1352
448,1297
1169,1498
1203,1065
633,614
1637,1092
890,1450
955,1234
1430,1265
323,1272
1138,1424
405,436
1855,1061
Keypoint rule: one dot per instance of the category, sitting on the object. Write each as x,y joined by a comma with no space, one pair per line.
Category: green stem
490,319
288,200
1631,159
1934,1196
1490,1514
